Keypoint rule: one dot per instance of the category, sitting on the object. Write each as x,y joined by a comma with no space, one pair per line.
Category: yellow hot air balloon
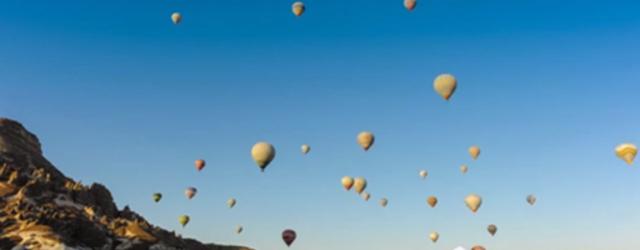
176,18
410,4
445,85
365,140
347,182
464,169
239,229
298,8
263,153
365,196
492,229
627,152
305,148
423,174
183,219
360,184
384,202
473,202
432,201
434,237
231,202
474,151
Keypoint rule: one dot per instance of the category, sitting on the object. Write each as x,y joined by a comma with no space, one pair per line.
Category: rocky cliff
41,208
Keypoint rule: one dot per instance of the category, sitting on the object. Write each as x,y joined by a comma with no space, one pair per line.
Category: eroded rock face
40,208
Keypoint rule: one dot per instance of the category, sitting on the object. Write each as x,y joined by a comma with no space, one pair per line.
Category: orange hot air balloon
478,248
432,201
298,8
365,140
199,164
474,151
347,182
410,4
288,236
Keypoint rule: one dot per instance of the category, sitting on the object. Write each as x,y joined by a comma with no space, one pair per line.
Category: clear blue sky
121,96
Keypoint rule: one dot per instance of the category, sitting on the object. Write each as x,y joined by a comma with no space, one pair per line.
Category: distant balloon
627,152
531,199
365,140
365,196
384,202
459,248
423,174
474,151
263,153
360,184
298,8
157,197
199,164
288,236
432,201
445,85
410,4
239,229
176,18
478,248
347,182
305,148
183,219
231,202
473,202
190,192
464,169
492,229
434,237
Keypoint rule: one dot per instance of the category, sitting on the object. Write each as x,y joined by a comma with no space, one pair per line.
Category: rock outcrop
41,208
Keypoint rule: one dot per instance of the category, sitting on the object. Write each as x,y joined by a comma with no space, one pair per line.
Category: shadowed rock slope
40,208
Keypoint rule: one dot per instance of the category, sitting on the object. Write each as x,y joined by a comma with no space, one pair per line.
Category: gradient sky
119,95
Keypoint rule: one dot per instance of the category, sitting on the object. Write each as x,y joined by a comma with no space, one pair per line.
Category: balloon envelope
298,8
445,85
365,140
478,248
384,202
474,151
239,229
190,192
531,199
347,182
432,201
231,202
199,164
176,18
464,169
305,148
492,229
365,196
263,153
410,4
360,184
183,219
434,236
288,236
157,197
627,152
473,202
423,174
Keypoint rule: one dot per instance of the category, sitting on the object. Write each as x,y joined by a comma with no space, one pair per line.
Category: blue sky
547,89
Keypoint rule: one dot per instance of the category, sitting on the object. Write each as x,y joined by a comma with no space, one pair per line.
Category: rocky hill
41,208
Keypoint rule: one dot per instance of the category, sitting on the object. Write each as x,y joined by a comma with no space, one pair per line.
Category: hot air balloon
183,219
231,202
199,164
423,174
360,184
459,248
474,151
365,196
627,152
434,236
288,236
445,85
347,182
478,248
473,202
190,192
531,199
176,17
263,153
464,169
365,140
432,201
157,197
384,202
410,4
239,229
298,8
492,229
305,148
